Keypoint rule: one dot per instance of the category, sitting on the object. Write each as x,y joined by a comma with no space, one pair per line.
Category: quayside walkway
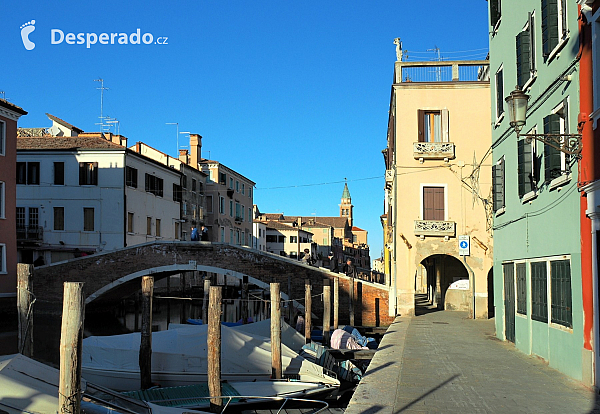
444,362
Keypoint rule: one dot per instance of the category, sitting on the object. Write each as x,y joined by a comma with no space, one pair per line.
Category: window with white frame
554,26
495,13
2,138
433,125
556,273
556,161
3,258
527,174
433,203
499,93
526,53
222,205
2,198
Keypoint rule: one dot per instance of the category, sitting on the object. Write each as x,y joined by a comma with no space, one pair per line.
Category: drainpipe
587,174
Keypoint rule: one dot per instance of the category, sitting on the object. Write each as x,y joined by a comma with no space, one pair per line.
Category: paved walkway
443,362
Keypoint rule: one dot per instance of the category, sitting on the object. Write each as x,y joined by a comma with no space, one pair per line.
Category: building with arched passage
438,186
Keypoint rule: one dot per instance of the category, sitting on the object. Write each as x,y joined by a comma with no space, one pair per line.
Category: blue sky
289,94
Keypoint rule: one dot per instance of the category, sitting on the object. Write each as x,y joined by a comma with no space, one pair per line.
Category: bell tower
346,205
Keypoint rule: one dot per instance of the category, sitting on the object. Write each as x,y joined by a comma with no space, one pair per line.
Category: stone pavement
444,362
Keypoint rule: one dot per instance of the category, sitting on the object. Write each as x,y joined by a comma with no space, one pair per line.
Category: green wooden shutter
498,185
499,93
539,292
552,156
525,170
523,64
495,12
549,26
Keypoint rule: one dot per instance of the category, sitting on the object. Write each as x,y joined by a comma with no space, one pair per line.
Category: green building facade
536,202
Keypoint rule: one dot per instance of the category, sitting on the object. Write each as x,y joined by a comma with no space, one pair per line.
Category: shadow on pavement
431,391
423,306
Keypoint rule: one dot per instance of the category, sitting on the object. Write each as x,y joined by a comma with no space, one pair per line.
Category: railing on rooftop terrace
455,71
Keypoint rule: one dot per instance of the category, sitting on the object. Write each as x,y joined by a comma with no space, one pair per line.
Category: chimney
299,222
184,156
195,149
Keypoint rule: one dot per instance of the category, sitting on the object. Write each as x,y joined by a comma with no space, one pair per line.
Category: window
271,238
184,181
28,173
555,161
231,208
433,125
526,53
148,226
88,219
209,203
2,140
250,192
324,242
193,185
59,173
157,227
560,275
222,234
20,218
539,292
59,218
3,258
154,185
293,239
498,185
495,13
2,198
249,214
554,26
526,173
243,189
131,177
522,288
230,236
237,236
88,173
281,239
433,203
222,179
222,205
231,183
237,186
34,217
499,93
129,222
184,208
243,211
177,229
177,193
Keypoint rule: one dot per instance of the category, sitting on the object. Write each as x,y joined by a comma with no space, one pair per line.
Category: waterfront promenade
444,362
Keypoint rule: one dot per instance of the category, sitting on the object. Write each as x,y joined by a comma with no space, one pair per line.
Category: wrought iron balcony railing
436,228
30,233
433,150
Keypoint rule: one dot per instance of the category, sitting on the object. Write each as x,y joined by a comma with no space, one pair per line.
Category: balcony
435,228
433,150
442,71
30,233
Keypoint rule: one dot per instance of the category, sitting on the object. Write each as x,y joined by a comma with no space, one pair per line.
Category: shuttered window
554,25
552,156
495,12
523,54
539,292
522,288
433,203
561,309
526,178
498,185
499,92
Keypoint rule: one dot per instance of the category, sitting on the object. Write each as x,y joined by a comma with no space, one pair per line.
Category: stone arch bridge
118,273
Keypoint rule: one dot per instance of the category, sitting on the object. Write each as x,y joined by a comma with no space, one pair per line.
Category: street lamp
517,112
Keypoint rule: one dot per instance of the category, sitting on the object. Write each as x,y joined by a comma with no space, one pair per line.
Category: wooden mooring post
145,358
326,312
205,300
308,310
214,348
336,302
24,306
71,337
276,370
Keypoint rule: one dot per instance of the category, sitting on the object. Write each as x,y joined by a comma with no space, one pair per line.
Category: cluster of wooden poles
72,337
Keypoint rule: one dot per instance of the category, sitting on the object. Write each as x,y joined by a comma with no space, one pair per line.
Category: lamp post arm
569,144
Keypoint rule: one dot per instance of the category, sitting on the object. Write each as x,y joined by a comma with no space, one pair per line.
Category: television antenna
102,89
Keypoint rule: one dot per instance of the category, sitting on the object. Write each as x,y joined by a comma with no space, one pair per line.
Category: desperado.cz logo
57,36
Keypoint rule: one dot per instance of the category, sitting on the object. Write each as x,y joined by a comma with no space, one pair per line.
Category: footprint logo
26,30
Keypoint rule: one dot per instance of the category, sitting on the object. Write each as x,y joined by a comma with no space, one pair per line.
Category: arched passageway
444,283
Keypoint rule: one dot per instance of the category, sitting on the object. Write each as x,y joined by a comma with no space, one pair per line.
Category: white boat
179,357
28,386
